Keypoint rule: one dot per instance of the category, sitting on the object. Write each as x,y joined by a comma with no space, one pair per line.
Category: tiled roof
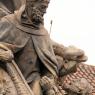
83,71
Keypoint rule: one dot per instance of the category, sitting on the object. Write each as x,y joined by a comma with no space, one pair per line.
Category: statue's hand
75,54
6,54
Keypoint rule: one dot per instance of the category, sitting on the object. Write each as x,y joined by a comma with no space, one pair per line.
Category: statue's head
40,5
35,10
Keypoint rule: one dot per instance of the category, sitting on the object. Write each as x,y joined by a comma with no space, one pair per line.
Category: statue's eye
43,7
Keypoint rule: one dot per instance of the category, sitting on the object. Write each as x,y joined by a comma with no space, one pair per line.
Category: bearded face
42,7
35,11
36,16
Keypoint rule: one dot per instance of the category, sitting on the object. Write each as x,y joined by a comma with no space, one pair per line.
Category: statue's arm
70,53
58,48
6,49
68,57
7,37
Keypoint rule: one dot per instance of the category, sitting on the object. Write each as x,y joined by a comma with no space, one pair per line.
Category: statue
79,87
24,40
36,43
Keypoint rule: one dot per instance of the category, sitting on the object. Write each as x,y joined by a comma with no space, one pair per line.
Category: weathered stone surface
24,39
79,86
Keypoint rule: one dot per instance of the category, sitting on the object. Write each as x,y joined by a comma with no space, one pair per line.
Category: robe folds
31,47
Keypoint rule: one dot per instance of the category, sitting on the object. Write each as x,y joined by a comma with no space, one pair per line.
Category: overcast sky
73,24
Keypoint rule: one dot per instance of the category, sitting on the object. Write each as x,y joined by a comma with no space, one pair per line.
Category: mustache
35,15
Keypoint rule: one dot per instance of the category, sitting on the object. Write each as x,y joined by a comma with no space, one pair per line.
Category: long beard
32,17
36,17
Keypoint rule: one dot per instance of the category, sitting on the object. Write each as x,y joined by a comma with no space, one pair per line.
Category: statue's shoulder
5,22
9,18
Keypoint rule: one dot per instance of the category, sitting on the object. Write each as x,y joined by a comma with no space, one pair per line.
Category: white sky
73,24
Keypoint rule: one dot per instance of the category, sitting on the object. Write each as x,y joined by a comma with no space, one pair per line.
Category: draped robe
31,47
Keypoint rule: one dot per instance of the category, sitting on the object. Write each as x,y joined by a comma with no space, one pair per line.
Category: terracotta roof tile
83,71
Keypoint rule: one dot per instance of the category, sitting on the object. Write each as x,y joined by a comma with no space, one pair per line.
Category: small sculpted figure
79,87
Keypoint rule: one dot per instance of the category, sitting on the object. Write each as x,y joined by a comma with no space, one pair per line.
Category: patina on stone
79,87
30,42
40,59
